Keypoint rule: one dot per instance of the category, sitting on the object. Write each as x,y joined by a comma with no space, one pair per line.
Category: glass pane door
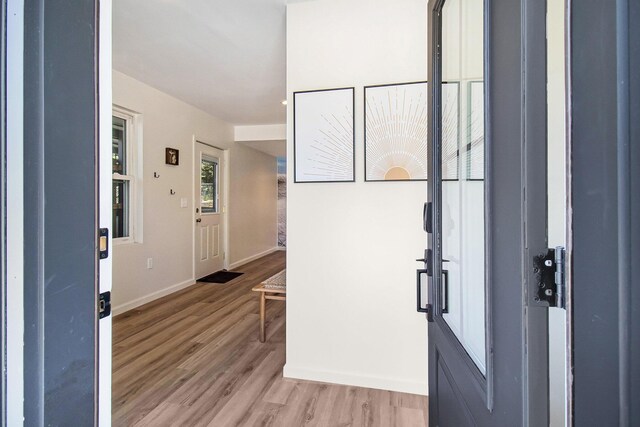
463,189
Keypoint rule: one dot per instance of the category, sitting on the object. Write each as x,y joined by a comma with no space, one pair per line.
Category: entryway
210,207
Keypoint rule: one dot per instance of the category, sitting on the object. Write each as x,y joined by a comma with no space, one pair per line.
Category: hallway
193,358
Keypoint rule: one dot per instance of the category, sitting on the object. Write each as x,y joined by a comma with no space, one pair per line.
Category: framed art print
395,136
323,136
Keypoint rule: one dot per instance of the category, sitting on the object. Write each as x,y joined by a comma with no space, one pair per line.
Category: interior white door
209,232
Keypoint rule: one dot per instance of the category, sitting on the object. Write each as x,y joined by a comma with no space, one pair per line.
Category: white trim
151,297
15,213
253,258
105,210
347,378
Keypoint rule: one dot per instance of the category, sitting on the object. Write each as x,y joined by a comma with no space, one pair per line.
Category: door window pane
463,189
209,185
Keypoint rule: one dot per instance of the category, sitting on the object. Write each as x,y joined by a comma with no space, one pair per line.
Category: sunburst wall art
323,140
396,132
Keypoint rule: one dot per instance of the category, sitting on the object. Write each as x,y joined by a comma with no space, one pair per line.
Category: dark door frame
60,212
604,53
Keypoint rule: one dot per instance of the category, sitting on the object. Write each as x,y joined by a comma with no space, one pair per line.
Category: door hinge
104,305
550,278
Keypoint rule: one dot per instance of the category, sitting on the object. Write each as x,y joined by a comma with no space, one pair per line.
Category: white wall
254,210
167,227
351,247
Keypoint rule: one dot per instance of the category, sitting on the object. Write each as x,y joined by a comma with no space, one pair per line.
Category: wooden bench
274,288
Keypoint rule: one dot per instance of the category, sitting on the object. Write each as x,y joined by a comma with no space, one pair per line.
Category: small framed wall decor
395,133
323,136
172,156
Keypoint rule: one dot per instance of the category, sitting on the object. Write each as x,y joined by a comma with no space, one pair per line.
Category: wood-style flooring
193,359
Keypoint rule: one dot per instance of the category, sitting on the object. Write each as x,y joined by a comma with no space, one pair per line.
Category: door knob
199,220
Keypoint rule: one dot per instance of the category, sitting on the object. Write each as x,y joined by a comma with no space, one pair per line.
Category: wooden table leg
263,302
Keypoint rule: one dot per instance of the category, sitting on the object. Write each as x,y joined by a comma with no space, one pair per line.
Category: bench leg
263,302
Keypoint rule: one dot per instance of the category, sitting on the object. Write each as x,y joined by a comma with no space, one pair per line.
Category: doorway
210,208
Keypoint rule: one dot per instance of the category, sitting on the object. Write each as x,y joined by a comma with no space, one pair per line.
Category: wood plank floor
193,359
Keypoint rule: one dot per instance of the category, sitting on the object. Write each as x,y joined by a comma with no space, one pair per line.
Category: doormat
220,277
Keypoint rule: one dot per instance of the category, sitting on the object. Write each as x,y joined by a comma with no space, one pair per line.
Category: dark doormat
220,277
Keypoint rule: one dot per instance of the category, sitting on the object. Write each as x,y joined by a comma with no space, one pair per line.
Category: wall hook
156,175
172,192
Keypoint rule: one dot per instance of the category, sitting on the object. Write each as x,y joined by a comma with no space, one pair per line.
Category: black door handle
445,285
199,220
427,308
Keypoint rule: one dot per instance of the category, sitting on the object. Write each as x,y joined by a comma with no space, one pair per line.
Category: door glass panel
209,185
463,189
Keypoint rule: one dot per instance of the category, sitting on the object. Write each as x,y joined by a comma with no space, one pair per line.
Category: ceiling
226,57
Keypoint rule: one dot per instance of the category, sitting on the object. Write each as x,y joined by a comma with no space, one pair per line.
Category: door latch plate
104,305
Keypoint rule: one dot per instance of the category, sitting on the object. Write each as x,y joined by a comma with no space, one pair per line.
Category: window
209,197
125,193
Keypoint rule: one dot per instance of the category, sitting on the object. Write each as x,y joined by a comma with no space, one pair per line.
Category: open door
486,216
66,154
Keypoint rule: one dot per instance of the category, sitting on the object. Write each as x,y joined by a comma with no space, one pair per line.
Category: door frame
603,127
522,119
224,209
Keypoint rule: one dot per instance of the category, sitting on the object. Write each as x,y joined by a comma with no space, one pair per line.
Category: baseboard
252,258
151,297
380,383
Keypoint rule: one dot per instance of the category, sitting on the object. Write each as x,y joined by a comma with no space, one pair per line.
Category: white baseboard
252,258
380,383
151,297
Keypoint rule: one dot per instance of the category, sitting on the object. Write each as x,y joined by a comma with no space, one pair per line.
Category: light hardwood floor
193,359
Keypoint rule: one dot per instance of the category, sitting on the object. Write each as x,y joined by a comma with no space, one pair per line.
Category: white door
208,179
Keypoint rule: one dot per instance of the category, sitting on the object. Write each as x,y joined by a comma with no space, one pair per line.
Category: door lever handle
199,220
421,260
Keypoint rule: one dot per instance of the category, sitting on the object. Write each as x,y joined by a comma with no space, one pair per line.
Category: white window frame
133,148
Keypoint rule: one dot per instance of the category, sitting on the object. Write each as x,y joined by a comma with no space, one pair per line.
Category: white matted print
323,136
396,132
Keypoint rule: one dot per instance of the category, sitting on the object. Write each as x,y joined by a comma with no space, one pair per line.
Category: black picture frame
366,140
172,156
324,158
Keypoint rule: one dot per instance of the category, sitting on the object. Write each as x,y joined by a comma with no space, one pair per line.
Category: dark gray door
60,196
487,221
605,188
